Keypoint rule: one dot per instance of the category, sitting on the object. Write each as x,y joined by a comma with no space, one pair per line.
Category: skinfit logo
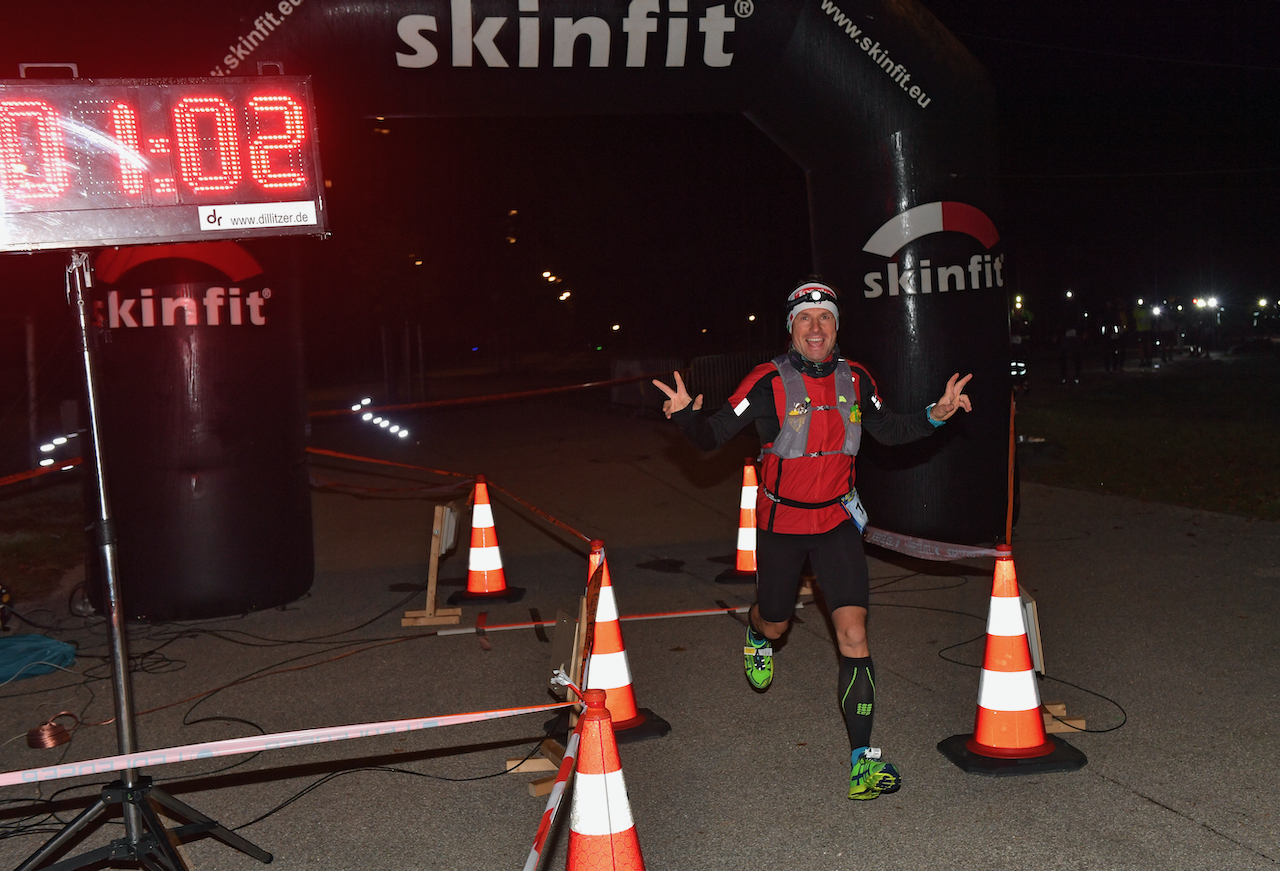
645,18
982,270
219,306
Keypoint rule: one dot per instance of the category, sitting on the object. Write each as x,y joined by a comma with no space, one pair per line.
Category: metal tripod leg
150,848
57,841
215,829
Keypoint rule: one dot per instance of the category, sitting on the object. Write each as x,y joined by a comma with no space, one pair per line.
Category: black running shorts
836,557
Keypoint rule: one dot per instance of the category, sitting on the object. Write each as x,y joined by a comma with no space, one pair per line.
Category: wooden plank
532,764
575,667
542,786
432,615
423,620
1056,720
553,751
433,562
1070,724
563,652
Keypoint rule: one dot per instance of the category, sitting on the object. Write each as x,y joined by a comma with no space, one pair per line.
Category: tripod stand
146,841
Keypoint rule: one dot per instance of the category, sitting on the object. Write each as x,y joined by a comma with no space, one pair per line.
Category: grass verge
1195,432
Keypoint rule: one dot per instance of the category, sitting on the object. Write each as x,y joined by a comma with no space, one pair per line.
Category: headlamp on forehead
812,295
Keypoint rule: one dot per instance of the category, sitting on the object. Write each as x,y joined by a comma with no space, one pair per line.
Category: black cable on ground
1124,715
336,774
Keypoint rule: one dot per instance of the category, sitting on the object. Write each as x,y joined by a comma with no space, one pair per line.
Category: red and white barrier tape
492,397
257,743
923,548
553,800
60,466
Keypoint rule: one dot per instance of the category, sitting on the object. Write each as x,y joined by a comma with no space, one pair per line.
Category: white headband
812,295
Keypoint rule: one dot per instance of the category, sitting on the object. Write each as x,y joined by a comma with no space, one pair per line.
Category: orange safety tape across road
477,400
61,466
258,743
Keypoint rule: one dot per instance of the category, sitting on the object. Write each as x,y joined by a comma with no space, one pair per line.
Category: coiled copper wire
51,733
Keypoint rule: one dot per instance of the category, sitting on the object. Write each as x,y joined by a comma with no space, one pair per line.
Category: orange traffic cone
1008,735
485,578
744,570
602,834
607,667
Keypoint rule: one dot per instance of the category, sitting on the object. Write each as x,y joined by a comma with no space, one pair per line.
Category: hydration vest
793,438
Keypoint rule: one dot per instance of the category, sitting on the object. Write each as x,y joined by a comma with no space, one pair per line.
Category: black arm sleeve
890,428
710,432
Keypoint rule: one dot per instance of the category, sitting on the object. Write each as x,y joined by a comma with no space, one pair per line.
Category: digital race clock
131,161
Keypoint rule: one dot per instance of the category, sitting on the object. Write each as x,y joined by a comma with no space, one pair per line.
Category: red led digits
221,143
124,129
33,157
287,144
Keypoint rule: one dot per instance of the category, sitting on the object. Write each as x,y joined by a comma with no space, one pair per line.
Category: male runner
810,406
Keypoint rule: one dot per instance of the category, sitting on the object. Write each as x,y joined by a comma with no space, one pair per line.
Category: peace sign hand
677,399
953,398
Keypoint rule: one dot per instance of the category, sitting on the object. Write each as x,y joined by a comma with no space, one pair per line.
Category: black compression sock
857,689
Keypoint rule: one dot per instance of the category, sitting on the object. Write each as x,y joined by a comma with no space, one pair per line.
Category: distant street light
751,317
564,296
616,327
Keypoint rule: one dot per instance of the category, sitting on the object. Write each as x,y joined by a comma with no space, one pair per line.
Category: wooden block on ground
415,618
553,751
548,757
536,763
1063,724
1056,720
542,786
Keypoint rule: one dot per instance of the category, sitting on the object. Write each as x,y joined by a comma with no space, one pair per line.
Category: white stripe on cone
748,497
1008,691
1005,616
606,606
600,804
746,538
484,559
608,671
481,515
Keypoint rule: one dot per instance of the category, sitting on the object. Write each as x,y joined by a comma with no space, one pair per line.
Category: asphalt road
1159,627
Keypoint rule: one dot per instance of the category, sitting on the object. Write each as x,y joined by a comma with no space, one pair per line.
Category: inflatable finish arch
889,117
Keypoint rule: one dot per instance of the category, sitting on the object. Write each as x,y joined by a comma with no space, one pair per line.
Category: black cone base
510,594
733,576
653,726
1063,758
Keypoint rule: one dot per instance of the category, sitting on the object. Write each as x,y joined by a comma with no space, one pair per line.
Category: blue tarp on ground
29,655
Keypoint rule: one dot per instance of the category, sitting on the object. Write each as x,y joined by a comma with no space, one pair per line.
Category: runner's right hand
677,399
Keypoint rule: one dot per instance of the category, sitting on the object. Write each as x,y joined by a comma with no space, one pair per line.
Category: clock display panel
106,162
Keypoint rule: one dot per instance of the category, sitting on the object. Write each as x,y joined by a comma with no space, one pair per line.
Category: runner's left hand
953,398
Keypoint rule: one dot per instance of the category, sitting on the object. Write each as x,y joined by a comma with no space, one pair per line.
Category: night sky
1140,156
1140,144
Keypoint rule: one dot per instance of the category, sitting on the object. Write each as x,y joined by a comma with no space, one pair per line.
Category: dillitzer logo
982,270
219,306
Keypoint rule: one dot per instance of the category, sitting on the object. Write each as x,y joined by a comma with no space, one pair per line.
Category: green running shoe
757,660
870,777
